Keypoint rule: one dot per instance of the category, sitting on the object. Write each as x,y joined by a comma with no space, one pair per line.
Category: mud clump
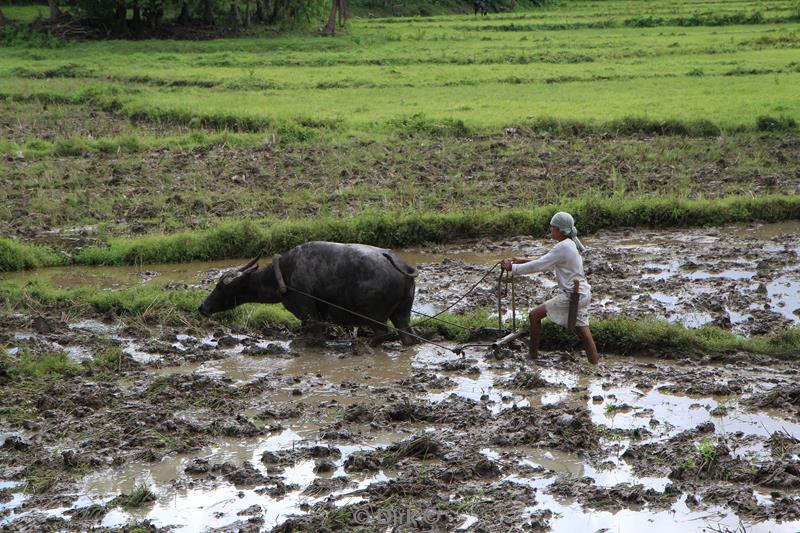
703,388
526,380
566,429
614,498
784,397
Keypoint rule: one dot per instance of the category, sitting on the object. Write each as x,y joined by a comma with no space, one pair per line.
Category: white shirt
565,259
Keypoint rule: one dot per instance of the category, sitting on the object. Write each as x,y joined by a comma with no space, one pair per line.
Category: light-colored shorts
558,309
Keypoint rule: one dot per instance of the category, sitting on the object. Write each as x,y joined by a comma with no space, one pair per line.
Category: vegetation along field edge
238,238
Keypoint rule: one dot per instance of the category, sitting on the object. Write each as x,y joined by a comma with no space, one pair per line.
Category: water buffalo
370,281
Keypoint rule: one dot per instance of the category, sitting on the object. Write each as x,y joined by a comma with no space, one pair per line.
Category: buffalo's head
231,290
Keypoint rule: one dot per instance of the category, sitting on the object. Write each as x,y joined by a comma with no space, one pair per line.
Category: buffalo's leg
312,328
313,331
381,335
401,318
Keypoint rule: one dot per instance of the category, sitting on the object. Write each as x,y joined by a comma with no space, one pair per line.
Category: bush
26,36
781,123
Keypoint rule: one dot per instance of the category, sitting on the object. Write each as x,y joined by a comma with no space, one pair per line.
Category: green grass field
490,73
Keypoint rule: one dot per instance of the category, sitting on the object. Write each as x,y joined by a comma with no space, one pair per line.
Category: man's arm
523,265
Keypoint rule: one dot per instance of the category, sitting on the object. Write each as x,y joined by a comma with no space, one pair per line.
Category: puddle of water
618,471
474,389
661,271
784,298
17,499
570,517
123,276
765,232
469,521
131,347
198,508
94,326
694,319
736,317
660,297
124,479
725,274
678,413
75,353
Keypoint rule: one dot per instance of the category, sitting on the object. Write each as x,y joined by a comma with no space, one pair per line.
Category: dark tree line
134,16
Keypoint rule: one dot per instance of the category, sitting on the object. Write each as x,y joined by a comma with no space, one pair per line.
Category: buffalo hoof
377,340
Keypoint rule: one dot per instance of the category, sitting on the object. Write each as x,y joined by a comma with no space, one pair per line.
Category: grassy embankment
245,238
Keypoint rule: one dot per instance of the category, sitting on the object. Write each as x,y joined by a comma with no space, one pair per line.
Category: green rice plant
140,495
108,359
420,124
708,452
70,147
19,256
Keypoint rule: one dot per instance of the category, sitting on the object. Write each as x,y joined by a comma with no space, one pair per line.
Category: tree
55,12
261,13
186,14
208,12
3,19
123,17
339,6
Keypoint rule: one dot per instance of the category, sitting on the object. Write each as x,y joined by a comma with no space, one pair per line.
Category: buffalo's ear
229,277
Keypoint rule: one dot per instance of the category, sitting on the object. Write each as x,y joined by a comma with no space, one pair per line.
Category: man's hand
505,264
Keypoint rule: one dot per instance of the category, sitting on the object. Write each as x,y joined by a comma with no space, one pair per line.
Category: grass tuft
17,256
43,365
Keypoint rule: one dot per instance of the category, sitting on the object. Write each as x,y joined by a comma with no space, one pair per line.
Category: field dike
247,238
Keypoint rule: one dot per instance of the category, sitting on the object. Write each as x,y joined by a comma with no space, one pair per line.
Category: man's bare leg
535,316
585,335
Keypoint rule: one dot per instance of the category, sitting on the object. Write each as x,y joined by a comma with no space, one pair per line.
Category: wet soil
237,431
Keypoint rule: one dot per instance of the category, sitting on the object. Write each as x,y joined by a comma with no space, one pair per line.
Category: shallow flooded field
233,431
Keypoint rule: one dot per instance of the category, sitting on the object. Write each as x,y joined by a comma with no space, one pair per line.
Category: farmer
565,259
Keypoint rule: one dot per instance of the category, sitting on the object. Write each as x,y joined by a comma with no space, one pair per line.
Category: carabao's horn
250,263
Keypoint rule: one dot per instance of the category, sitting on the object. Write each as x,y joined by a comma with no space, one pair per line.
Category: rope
433,317
383,324
457,301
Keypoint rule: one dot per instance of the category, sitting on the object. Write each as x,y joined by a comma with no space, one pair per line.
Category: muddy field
239,432
91,197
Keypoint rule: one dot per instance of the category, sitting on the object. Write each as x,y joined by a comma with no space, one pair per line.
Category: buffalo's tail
410,273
